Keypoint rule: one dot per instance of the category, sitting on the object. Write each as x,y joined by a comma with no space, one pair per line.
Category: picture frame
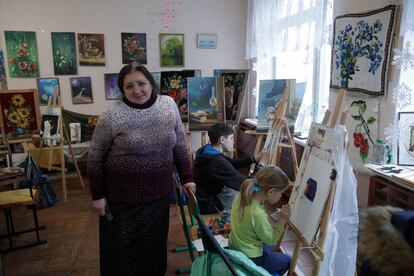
19,113
361,50
405,152
81,88
47,87
54,121
64,53
134,47
171,49
207,41
112,91
91,49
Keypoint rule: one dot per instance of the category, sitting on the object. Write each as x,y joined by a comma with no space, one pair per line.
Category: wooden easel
316,247
60,148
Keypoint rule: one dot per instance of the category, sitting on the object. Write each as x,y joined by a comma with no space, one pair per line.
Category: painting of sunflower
19,112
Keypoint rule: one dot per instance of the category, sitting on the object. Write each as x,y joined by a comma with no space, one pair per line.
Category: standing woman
134,148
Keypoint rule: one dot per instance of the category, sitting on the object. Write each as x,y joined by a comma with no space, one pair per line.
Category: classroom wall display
20,115
134,47
206,41
91,49
64,53
3,78
406,139
171,50
23,58
205,102
234,87
81,90
361,50
47,87
112,91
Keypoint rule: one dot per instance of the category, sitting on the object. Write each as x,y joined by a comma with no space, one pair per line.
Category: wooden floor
72,235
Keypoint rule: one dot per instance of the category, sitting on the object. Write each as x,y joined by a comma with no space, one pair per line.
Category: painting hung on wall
171,50
174,84
91,49
134,47
406,139
206,41
81,90
361,50
205,102
157,79
47,87
112,91
64,53
23,59
234,88
19,112
3,78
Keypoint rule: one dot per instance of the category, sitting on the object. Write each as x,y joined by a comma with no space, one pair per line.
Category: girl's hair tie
256,188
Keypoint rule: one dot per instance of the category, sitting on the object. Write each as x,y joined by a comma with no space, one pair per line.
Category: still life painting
19,112
112,91
81,90
171,50
206,102
134,47
406,139
64,53
47,87
22,54
361,50
91,49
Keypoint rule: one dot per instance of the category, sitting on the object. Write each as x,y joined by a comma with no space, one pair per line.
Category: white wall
386,107
226,18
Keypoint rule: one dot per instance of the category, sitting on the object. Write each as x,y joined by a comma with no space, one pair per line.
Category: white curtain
290,39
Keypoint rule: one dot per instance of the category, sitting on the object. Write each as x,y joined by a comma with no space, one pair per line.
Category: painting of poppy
134,47
19,114
22,54
112,91
64,53
47,87
171,50
91,49
81,90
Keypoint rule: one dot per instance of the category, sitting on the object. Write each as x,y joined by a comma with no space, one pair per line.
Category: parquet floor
72,235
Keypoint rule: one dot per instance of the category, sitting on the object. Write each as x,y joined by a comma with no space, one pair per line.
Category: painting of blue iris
46,88
207,41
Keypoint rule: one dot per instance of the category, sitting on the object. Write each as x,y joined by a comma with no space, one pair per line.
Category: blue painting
207,41
47,87
81,90
112,91
270,92
205,102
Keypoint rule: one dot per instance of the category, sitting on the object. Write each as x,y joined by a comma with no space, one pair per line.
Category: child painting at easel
251,231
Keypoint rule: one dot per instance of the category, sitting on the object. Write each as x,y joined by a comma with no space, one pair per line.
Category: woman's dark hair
218,130
134,67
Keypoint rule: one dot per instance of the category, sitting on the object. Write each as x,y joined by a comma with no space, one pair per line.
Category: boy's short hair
218,130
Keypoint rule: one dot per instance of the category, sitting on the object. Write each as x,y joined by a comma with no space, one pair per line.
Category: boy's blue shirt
208,150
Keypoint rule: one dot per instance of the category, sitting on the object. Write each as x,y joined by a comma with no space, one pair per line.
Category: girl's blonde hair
269,177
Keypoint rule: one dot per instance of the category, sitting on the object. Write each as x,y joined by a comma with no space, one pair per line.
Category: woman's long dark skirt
134,242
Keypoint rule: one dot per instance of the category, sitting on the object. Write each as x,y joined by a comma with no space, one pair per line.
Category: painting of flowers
171,50
91,49
81,90
206,102
174,84
361,50
3,79
112,91
134,47
47,87
22,54
64,53
19,112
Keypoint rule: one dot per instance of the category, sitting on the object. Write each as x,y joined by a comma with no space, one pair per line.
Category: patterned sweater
133,152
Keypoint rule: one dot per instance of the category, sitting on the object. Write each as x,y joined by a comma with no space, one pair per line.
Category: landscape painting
171,50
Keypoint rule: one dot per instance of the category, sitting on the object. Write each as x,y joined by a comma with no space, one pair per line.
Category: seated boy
216,176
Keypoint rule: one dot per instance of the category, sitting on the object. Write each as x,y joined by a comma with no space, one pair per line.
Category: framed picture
157,79
50,125
134,47
81,90
206,41
3,78
20,115
91,49
234,87
171,50
112,91
47,87
64,53
406,139
361,50
22,54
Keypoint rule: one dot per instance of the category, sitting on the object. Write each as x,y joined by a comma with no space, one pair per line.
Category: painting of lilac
361,50
112,91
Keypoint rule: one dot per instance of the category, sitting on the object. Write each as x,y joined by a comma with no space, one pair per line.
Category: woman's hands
100,206
190,186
